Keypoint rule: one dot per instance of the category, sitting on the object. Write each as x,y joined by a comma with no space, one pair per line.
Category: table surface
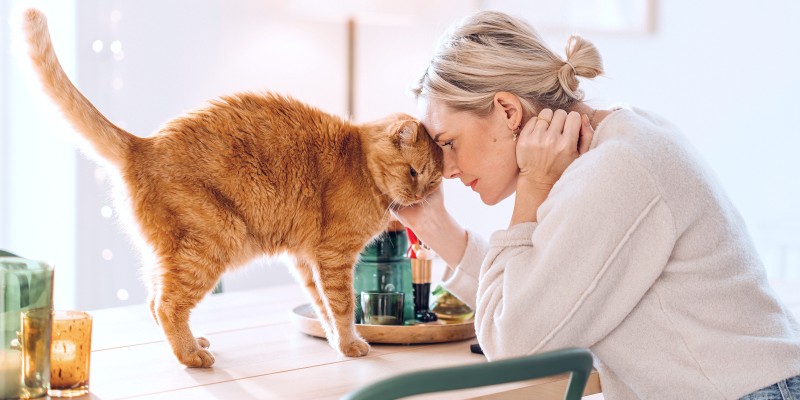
260,355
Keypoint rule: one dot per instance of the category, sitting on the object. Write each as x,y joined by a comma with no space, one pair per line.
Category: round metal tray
305,320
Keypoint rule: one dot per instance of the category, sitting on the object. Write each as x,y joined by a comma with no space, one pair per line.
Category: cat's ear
406,131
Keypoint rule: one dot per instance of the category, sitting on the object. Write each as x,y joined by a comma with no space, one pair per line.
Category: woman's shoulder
649,136
645,140
627,118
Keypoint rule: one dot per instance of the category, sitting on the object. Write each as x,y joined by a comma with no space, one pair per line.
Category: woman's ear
511,108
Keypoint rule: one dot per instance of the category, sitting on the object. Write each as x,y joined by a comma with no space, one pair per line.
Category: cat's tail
108,140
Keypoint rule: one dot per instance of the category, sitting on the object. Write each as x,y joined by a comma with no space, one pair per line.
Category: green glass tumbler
26,309
383,267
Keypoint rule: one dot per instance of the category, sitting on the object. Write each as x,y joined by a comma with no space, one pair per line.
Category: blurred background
722,71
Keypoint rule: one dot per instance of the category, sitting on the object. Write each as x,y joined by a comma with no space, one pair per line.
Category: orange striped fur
248,175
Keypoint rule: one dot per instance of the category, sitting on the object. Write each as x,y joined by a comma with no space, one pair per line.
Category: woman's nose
450,169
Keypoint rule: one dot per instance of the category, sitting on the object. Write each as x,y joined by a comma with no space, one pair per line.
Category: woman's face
480,151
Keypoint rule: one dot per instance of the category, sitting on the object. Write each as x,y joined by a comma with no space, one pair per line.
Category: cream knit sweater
640,256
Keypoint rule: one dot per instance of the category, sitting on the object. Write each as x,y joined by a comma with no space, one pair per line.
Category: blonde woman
620,239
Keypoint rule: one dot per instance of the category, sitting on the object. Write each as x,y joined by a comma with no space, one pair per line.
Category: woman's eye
448,143
412,171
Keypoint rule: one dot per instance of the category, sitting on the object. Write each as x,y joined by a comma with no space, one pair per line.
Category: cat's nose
418,196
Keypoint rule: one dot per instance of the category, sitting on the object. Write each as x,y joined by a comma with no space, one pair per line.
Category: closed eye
448,143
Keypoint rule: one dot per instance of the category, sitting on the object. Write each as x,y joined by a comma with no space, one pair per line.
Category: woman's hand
435,227
547,145
417,214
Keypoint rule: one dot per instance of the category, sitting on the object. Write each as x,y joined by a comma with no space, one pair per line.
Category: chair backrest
578,361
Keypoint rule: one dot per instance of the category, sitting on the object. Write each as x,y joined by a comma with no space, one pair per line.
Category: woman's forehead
437,117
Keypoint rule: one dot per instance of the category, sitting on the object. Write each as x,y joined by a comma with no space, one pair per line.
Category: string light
108,47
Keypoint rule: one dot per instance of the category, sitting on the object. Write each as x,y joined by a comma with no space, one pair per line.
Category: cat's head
405,162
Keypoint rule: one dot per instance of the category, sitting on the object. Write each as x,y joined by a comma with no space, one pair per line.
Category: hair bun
583,60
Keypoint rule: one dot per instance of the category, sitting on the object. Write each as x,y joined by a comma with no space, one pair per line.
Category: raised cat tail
108,140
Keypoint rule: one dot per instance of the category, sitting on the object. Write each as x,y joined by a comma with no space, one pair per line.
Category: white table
259,355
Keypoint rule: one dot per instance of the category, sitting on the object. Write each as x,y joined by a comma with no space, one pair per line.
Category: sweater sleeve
463,279
604,236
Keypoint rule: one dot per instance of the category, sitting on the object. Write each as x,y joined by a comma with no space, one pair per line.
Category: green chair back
578,361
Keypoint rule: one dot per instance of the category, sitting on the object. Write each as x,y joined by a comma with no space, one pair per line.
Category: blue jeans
787,389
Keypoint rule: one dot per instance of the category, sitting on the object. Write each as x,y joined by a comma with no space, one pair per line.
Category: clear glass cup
383,308
70,353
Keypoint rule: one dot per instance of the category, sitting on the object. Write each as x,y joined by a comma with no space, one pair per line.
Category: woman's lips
472,184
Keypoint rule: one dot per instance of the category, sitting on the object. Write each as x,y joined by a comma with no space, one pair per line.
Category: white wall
37,162
721,71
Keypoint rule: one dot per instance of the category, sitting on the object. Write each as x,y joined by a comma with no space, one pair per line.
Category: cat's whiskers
425,201
392,206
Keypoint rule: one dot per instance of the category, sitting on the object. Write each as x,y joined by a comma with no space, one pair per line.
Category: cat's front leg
304,274
336,287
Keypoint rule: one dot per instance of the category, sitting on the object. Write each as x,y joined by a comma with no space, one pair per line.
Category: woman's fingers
543,120
549,143
571,130
587,133
416,214
546,114
557,123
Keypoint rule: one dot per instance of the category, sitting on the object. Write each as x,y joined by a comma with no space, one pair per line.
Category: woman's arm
462,251
435,227
604,236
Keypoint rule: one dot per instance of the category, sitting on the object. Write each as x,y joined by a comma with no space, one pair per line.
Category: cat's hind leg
152,289
185,279
335,283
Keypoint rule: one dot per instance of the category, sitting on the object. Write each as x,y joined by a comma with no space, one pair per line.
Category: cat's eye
412,171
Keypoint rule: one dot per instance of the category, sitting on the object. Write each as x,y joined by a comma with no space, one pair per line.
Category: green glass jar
383,267
26,308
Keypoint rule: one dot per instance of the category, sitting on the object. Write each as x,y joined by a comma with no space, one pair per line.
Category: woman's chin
491,199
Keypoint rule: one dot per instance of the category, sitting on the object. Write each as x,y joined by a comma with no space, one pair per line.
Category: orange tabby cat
249,175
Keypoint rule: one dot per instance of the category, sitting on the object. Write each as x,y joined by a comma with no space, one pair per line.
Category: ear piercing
515,133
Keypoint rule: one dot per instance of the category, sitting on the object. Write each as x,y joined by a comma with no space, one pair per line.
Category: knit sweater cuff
463,282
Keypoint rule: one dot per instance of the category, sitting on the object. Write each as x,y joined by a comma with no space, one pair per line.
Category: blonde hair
492,52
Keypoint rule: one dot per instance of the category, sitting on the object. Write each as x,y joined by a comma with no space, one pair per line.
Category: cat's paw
200,358
354,348
203,342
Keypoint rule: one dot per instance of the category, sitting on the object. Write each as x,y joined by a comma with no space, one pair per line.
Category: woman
620,239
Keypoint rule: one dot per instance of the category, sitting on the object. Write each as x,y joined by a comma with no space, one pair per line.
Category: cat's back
257,127
276,146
